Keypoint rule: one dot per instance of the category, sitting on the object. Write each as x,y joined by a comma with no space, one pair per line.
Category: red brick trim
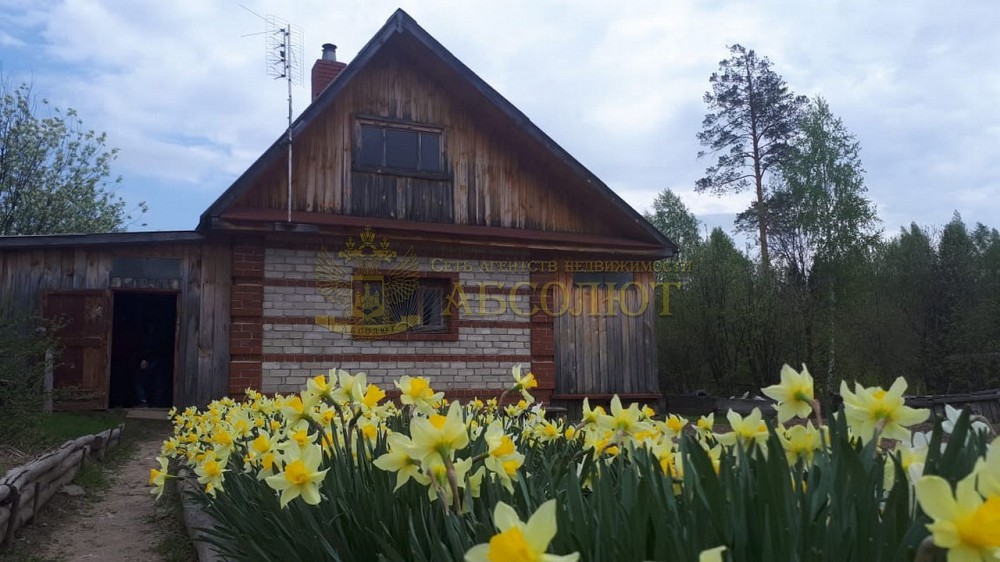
543,359
246,328
390,356
243,375
248,259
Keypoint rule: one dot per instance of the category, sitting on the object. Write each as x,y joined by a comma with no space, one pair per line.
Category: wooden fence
25,489
985,403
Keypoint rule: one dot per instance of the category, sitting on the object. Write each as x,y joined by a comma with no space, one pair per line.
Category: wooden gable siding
494,181
203,305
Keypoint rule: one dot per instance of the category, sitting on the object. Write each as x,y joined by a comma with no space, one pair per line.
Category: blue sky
181,89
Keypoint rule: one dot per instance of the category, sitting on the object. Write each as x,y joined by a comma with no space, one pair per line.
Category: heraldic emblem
371,287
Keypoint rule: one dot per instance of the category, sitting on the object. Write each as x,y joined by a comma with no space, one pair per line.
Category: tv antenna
283,56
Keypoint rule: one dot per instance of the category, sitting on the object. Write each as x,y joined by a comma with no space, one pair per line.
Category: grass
59,427
48,431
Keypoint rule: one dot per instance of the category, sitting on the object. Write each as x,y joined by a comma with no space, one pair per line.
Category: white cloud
184,94
9,40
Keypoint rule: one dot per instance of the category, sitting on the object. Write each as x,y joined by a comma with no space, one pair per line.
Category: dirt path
121,524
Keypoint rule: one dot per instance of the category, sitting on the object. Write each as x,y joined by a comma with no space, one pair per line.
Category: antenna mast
284,61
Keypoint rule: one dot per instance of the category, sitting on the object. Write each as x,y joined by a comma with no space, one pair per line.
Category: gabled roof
404,30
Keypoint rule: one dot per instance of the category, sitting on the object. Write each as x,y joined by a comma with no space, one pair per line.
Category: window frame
424,286
361,121
448,331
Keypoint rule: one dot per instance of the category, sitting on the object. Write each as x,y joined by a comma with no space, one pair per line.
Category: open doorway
143,349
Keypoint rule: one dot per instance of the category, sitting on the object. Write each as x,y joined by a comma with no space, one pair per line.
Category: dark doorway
142,350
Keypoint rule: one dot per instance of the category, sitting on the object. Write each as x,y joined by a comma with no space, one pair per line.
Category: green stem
453,482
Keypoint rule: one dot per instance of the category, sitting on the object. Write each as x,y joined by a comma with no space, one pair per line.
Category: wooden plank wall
393,197
607,352
494,183
203,306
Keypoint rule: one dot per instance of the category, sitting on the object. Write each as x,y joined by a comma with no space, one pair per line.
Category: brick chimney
325,69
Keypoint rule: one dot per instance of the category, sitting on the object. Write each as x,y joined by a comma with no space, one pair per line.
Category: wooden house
430,229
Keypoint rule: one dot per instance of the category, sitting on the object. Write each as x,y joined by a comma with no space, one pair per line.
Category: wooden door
80,377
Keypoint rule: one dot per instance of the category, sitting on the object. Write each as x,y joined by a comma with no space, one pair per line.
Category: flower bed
336,472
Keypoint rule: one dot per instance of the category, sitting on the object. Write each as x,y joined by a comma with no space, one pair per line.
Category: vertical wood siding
203,306
605,353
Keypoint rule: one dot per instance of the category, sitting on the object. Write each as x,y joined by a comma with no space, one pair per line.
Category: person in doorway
146,379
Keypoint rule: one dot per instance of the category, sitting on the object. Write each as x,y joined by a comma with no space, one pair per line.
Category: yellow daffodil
705,425
524,383
417,392
211,472
794,394
590,416
400,460
602,441
367,396
301,476
321,386
295,409
712,554
668,458
801,442
872,409
262,454
548,431
170,446
515,410
298,435
748,431
674,425
625,420
345,392
222,439
502,459
158,477
964,523
439,435
370,430
518,541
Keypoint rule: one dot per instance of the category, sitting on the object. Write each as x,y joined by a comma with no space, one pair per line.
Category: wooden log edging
196,520
25,489
985,403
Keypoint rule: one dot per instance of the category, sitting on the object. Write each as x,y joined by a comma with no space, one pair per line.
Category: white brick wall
287,377
388,357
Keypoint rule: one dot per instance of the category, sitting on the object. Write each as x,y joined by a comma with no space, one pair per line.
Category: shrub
24,339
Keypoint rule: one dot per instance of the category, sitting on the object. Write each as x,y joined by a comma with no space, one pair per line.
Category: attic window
400,148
